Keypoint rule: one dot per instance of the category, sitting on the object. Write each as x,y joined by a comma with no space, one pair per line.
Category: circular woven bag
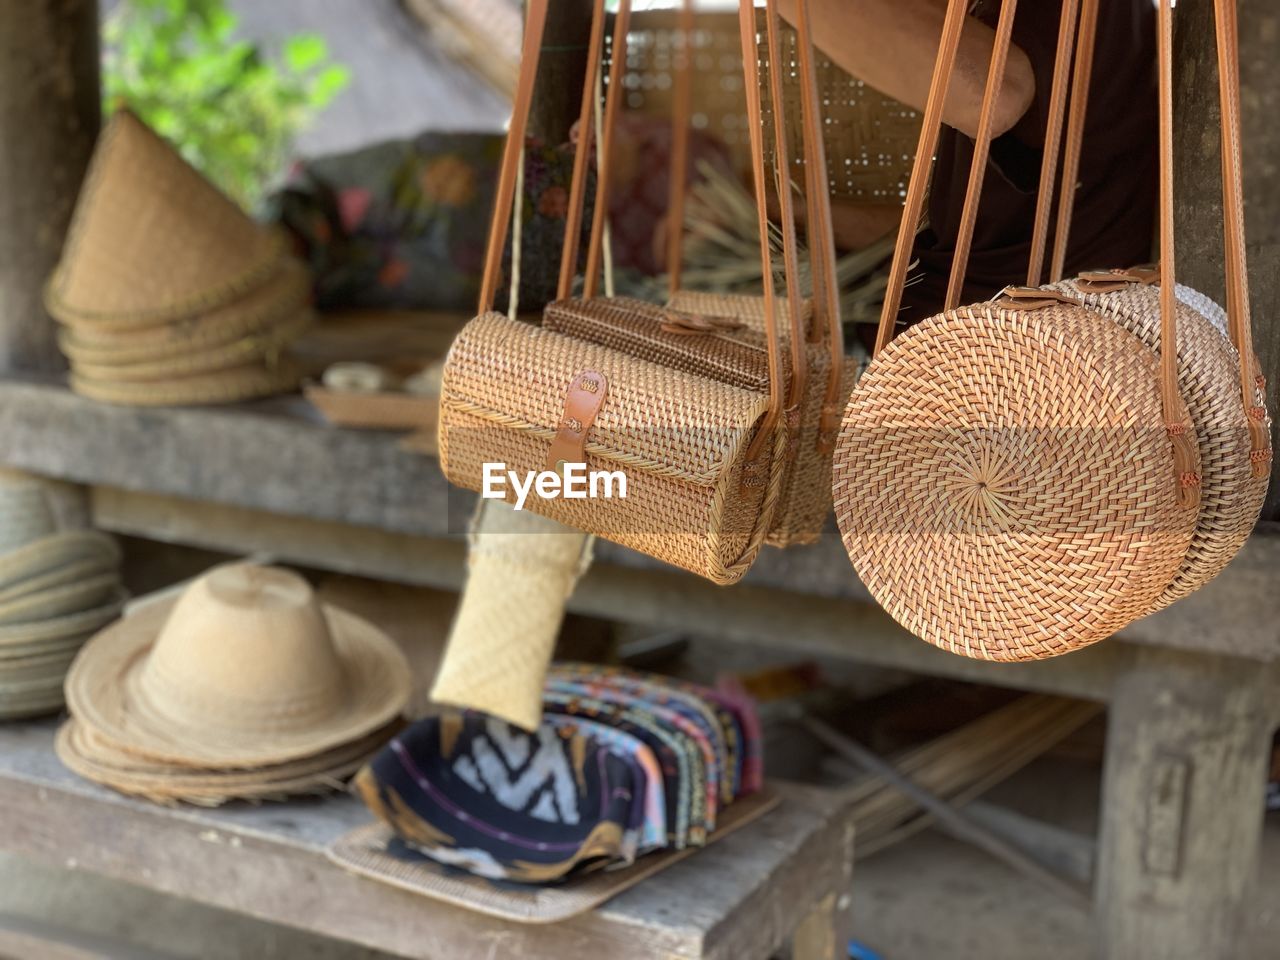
1231,491
1004,482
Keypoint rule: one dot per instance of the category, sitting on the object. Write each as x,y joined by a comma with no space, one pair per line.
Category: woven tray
364,851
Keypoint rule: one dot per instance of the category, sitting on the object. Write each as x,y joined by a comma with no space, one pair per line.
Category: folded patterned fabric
624,763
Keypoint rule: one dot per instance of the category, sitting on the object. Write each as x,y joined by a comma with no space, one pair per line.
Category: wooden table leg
1187,751
815,938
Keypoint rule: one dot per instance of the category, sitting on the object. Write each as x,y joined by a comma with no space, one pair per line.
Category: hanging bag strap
535,26
822,249
1238,309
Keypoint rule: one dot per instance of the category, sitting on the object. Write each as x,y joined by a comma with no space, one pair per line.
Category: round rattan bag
1231,490
1005,484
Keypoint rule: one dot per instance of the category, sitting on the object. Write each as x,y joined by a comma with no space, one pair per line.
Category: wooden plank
738,900
277,457
1188,749
49,115
813,626
1198,176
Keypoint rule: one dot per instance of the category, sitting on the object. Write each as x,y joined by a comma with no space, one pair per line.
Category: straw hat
221,386
244,668
60,601
94,757
25,514
43,633
151,239
286,293
50,553
74,571
265,344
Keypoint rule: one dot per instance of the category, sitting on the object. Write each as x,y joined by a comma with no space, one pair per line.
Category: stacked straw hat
56,588
242,686
167,293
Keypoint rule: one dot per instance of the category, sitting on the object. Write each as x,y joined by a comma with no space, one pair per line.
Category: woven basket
221,386
1003,481
1231,494
151,239
679,438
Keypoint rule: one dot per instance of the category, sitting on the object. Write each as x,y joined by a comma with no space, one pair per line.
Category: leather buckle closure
582,403
1108,281
1031,298
698,324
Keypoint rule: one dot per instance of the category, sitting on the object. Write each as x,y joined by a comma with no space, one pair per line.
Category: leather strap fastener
696,324
1108,281
582,404
1032,298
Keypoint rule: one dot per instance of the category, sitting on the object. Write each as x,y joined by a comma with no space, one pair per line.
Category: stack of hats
56,588
622,764
241,686
167,292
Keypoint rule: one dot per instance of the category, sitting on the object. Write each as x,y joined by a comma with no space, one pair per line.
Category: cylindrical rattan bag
702,457
1018,479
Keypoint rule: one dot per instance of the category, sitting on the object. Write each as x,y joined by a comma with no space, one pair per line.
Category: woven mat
364,851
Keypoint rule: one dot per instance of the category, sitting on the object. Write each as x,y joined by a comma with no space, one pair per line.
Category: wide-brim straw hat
151,239
244,668
263,346
25,514
87,753
60,601
286,293
54,552
75,571
46,633
233,384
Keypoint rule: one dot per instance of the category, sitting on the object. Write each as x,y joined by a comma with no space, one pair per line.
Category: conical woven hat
284,295
25,514
42,633
220,386
151,238
94,757
244,668
53,552
75,571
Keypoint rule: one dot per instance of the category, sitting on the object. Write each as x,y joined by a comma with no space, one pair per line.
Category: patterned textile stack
167,292
243,686
56,587
623,764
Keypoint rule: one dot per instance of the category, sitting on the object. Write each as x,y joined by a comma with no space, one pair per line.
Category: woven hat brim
69,573
88,755
71,625
60,601
105,691
364,851
37,665
56,550
32,708
286,292
262,346
224,386
68,645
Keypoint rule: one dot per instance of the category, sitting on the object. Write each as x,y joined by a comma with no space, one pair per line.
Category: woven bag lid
151,238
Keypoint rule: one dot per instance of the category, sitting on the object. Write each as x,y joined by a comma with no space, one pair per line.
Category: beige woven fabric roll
522,569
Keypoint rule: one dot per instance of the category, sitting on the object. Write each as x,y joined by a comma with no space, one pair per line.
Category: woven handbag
724,336
703,458
1018,479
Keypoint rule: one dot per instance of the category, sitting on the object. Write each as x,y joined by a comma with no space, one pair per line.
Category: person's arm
893,44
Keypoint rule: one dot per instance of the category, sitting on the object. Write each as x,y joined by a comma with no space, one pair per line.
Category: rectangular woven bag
723,336
703,457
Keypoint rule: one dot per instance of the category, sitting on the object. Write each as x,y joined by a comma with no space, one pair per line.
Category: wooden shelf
278,458
739,899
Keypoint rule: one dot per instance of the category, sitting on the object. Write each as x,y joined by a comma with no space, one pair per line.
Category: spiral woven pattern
1004,482
1230,495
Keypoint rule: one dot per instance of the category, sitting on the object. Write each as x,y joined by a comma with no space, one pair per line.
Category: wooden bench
776,880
